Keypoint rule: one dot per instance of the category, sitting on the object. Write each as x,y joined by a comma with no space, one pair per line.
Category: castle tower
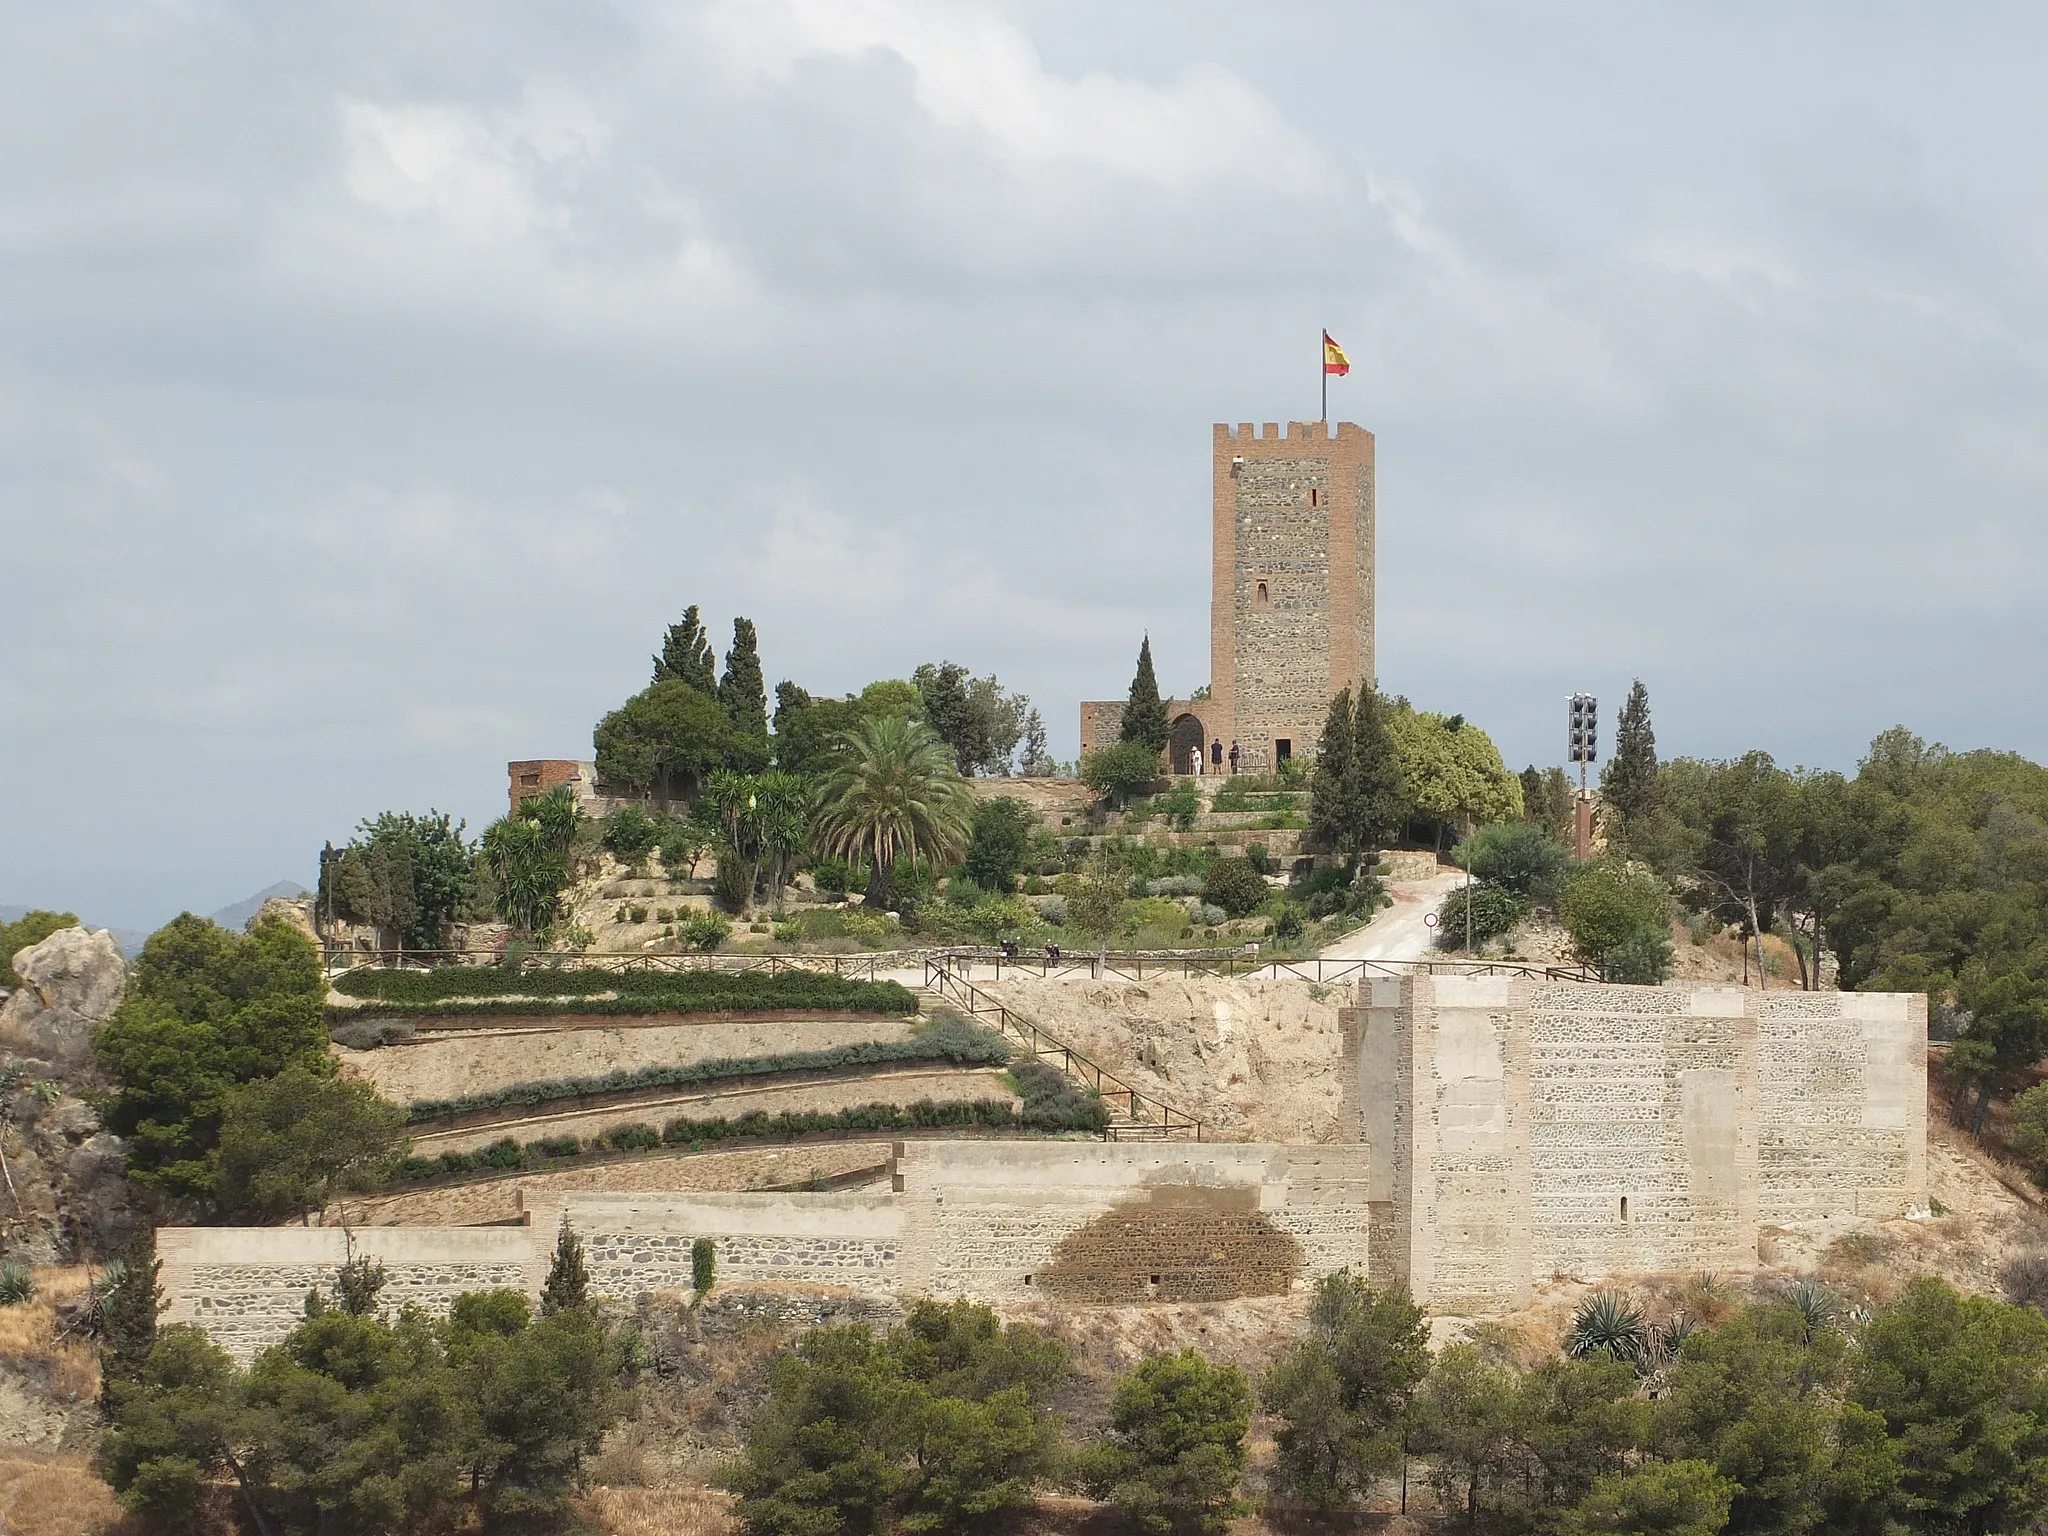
1291,606
1291,599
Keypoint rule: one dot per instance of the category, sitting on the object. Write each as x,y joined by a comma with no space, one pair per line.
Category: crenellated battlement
1296,432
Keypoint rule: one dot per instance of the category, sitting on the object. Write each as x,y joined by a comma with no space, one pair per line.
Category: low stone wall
246,1286
992,1220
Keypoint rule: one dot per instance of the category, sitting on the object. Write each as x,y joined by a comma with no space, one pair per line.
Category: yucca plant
1817,1306
1683,1326
1608,1322
17,1285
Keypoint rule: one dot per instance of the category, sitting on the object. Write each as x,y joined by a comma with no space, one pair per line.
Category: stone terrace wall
1521,1129
991,1220
246,1286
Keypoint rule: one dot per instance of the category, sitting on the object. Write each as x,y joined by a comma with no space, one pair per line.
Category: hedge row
951,1039
493,989
553,1151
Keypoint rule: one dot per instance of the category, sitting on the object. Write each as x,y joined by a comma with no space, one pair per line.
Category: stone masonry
1291,606
1493,1132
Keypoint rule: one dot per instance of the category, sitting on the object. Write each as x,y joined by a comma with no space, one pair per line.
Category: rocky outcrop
70,983
296,910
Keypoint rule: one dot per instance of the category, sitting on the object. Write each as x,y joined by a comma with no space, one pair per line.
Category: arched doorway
1187,742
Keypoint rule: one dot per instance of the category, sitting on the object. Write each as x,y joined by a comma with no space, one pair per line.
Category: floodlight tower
1583,740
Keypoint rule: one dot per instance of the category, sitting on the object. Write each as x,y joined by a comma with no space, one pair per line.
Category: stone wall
993,1220
1521,1129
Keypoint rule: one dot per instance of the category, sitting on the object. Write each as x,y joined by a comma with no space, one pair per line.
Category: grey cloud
376,381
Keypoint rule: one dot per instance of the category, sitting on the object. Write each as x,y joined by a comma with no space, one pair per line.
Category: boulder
70,983
296,910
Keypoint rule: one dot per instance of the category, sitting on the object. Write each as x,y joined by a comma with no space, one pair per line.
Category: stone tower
1291,605
1291,599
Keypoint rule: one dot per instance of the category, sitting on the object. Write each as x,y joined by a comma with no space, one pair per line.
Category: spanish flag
1334,360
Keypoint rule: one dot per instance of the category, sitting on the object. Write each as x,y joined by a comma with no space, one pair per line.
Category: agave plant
17,1284
1817,1306
1608,1322
1683,1326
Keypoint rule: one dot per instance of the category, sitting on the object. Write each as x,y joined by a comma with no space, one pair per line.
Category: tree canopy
1144,711
205,1012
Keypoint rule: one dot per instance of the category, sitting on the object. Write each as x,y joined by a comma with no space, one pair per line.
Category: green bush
554,1146
954,1040
25,932
485,989
1180,804
1261,860
1289,919
630,834
835,877
705,930
1000,842
632,1138
17,1284
1495,911
1519,856
1235,886
1619,920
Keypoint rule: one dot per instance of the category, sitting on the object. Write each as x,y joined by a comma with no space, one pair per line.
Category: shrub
555,1146
2028,1132
17,1285
632,1138
1180,804
2025,1279
1120,770
1518,856
1235,886
1495,911
706,930
1610,1323
682,843
1000,842
630,834
1176,1448
1207,915
368,1034
1158,912
1289,919
1261,860
1619,920
1054,910
502,1153
1174,885
482,989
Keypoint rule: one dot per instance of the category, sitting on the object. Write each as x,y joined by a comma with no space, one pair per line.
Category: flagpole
1323,361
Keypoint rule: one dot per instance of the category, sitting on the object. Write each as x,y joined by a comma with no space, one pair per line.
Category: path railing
1148,1117
1120,964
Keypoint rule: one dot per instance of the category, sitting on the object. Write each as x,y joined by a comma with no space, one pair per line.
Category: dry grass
51,1496
32,1341
685,1511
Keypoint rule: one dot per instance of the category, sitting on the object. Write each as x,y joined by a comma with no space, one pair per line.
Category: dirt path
1402,931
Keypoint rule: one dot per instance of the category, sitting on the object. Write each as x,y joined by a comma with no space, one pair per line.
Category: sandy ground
1256,1059
941,1085
499,1199
1399,932
442,1067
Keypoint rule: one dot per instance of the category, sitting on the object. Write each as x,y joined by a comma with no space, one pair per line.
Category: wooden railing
1147,1117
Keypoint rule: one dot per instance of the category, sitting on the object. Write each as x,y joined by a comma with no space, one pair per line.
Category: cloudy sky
376,380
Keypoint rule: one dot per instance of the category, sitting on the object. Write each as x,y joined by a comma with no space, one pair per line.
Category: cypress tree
686,655
1328,819
1145,714
741,690
1629,781
128,1311
1532,794
568,1277
1376,798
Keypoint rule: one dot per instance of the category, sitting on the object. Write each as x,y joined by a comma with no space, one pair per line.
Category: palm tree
783,819
894,794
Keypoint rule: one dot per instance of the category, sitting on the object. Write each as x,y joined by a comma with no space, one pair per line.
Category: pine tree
1376,798
1629,781
1328,817
568,1277
741,690
1145,715
686,655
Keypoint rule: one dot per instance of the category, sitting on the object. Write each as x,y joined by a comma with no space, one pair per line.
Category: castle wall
1536,1128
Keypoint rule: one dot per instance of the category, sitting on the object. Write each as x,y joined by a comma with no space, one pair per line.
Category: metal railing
1123,965
1236,963
1148,1117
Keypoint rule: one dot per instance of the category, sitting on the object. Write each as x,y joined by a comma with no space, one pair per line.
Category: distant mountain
233,918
